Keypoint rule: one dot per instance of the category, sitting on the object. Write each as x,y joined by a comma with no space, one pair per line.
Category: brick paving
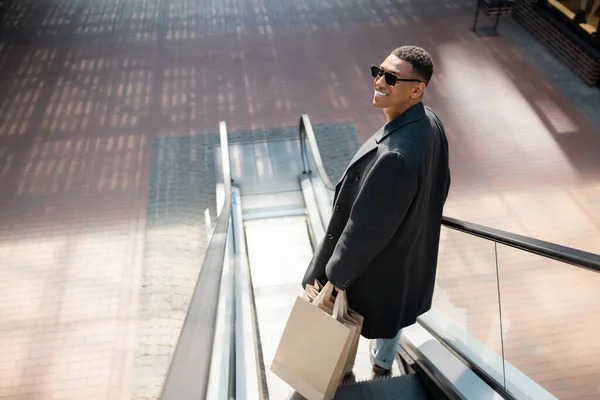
88,87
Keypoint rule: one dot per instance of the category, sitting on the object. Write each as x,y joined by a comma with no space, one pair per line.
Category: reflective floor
97,263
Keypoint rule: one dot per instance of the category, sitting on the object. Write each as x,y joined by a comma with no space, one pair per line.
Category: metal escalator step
405,387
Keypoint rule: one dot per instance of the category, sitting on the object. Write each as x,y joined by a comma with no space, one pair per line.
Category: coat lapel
411,115
366,148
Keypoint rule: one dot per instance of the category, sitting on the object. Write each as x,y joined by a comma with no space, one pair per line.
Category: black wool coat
382,241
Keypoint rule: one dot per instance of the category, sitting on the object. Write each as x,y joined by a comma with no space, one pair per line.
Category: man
382,241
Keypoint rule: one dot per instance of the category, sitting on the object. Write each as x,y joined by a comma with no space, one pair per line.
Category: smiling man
382,240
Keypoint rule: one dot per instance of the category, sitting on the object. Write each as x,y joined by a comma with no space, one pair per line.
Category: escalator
276,225
275,200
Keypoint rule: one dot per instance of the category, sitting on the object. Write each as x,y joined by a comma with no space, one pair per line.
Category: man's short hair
419,59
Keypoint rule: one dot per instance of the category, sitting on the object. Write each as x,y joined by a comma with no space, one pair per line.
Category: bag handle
340,307
324,294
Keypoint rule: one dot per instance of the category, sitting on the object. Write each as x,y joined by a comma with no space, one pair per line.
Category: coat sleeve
379,209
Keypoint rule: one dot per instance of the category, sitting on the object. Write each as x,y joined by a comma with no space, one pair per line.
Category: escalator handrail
553,251
578,258
188,374
308,135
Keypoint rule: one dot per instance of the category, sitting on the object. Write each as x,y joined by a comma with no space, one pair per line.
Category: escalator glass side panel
194,348
314,168
466,309
550,319
315,224
486,313
263,167
311,157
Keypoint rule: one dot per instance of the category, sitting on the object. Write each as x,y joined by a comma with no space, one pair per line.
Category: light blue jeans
384,351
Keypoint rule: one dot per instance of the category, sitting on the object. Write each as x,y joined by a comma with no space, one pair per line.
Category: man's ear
418,90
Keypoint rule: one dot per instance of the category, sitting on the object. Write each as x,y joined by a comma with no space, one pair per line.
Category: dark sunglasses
390,78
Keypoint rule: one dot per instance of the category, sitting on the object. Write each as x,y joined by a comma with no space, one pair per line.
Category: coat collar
413,114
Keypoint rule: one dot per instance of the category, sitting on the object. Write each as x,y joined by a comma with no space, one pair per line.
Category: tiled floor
85,86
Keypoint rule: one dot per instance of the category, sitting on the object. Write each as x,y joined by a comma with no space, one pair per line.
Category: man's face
402,93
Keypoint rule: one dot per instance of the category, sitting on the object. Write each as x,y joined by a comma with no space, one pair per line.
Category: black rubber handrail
554,251
578,258
188,374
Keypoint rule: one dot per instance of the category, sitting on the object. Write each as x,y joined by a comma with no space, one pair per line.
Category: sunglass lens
390,79
375,71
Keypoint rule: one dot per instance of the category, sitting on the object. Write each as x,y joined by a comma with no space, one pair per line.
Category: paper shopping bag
357,323
311,292
314,347
351,318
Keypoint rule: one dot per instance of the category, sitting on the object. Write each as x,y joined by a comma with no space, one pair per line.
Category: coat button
337,207
330,236
357,177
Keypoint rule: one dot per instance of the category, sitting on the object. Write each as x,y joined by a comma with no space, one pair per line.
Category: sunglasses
390,78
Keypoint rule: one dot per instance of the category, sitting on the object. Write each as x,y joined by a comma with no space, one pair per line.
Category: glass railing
551,313
198,365
313,167
522,313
